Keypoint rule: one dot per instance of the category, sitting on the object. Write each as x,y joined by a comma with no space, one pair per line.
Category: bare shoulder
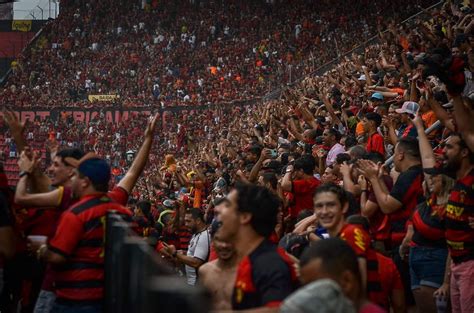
207,267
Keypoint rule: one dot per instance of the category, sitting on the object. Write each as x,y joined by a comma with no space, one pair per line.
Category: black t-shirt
5,216
409,191
264,278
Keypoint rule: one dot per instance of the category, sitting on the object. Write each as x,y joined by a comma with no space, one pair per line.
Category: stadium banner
81,115
111,114
93,98
21,25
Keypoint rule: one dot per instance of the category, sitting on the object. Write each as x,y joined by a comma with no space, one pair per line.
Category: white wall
35,9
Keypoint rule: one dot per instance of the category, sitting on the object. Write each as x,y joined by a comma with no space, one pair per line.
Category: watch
24,173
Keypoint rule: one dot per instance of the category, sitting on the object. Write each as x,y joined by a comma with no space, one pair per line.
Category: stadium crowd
171,53
370,214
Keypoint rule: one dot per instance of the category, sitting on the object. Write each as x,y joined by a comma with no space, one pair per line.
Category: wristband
364,190
24,173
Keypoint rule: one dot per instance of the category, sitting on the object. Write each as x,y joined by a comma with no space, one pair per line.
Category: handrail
433,127
3,79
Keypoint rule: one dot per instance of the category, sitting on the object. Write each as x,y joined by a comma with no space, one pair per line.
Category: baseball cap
376,96
409,107
168,203
220,184
362,77
91,166
321,296
439,170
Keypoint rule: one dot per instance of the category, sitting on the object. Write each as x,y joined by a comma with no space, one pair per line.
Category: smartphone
273,153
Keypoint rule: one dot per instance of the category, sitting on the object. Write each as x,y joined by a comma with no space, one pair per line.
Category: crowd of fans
170,53
370,213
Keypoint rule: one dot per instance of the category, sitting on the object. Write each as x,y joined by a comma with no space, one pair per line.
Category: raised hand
362,182
15,125
150,129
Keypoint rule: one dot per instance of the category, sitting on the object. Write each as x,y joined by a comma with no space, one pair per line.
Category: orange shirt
359,129
429,118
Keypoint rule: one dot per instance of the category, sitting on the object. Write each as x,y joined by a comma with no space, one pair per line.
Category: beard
450,167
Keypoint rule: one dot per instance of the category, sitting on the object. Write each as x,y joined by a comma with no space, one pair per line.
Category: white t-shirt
198,248
332,154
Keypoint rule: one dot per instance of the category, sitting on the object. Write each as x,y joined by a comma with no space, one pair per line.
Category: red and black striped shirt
459,235
80,239
429,225
360,242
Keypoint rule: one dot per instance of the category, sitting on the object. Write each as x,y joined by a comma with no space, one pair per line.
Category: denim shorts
427,266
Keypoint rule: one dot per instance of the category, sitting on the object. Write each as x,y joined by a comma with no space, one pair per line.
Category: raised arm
464,116
130,179
427,155
16,128
23,197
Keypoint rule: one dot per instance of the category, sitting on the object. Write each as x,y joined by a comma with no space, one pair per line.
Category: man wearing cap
407,112
77,248
377,98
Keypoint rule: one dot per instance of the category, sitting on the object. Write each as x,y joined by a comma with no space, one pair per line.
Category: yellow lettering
103,221
359,239
455,245
454,210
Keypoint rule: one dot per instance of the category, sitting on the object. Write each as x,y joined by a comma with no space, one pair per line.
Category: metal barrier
433,127
138,281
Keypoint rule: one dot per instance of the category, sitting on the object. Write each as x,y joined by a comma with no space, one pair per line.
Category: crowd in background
171,53
341,156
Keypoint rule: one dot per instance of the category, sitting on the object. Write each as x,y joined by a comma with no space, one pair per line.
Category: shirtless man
218,276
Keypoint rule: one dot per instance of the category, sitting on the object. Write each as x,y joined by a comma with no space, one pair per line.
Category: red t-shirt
303,191
375,144
389,277
379,222
371,308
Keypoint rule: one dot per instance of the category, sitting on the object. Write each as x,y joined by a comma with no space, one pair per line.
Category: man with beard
218,276
265,274
199,246
459,159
